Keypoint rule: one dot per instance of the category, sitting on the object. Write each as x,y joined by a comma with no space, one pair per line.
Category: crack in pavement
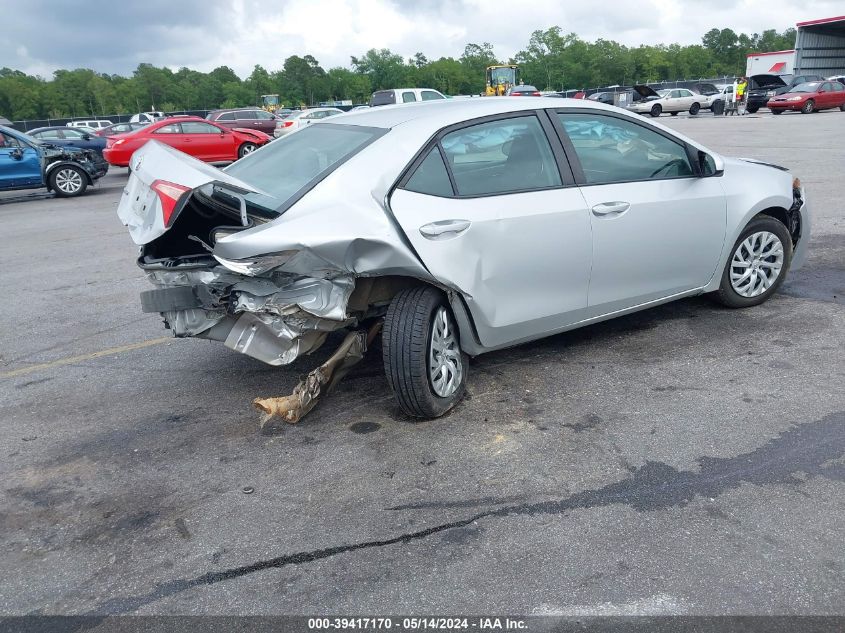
810,449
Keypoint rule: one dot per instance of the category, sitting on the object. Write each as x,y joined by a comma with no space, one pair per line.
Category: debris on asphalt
247,490
307,393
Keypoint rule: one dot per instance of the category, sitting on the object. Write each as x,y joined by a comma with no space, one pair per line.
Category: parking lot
687,459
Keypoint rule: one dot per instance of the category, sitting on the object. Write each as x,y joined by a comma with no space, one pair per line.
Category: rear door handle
443,229
608,208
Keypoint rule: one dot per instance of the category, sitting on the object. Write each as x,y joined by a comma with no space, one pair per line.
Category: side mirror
710,165
86,137
16,153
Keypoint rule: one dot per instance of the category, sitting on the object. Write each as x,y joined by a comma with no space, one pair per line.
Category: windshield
297,162
807,87
502,76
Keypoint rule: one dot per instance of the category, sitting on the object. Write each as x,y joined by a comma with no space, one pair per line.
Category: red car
201,139
810,97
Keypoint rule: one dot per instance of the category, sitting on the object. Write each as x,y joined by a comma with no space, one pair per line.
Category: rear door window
246,114
501,156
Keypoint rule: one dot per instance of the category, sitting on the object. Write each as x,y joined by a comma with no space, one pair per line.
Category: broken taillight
168,194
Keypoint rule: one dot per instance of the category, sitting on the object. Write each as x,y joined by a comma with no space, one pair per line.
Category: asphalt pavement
687,459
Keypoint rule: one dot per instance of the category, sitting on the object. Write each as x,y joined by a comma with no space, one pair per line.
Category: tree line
552,60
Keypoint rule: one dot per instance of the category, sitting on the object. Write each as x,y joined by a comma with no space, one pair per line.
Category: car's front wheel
808,107
246,148
68,181
656,110
752,109
757,265
423,361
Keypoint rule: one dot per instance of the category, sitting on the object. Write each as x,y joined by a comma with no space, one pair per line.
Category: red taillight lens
287,123
169,195
536,94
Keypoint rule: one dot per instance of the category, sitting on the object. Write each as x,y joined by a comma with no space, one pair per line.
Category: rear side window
431,177
383,97
48,134
430,95
408,97
615,150
501,156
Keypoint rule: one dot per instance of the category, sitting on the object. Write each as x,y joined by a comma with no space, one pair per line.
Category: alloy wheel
756,264
445,368
69,181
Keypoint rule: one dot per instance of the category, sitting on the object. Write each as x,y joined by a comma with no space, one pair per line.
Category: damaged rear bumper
274,320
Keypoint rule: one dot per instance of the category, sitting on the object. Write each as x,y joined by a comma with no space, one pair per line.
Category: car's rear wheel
68,181
752,109
808,107
757,265
674,113
776,110
246,148
842,107
656,110
694,108
423,361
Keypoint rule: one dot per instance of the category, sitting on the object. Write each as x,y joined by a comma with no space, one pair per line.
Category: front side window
431,177
261,114
430,95
612,149
501,156
8,141
408,97
73,134
196,127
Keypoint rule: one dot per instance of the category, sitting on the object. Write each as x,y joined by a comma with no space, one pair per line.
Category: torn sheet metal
307,393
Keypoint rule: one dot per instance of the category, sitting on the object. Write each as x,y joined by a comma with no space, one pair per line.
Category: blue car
69,137
27,163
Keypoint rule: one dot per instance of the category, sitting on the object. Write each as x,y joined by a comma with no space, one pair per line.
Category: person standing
741,87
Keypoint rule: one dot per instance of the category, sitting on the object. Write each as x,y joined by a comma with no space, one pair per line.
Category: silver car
302,119
466,226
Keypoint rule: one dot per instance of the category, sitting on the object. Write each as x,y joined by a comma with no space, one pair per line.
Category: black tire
68,181
406,345
842,107
694,108
776,111
752,109
726,294
656,110
808,107
246,148
674,113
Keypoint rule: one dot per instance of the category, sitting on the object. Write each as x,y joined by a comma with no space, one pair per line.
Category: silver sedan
463,226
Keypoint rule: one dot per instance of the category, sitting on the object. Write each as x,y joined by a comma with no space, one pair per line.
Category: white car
302,119
467,226
97,124
672,100
146,117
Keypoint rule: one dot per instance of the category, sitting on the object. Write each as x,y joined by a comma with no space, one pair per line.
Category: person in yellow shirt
741,87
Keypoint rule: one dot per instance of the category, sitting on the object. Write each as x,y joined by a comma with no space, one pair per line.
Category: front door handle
608,208
443,229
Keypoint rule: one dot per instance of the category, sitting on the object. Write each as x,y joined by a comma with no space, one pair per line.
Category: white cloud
242,33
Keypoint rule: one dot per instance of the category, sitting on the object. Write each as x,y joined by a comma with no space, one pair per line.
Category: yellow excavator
500,78
270,102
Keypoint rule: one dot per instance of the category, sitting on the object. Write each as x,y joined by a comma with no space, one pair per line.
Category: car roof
444,112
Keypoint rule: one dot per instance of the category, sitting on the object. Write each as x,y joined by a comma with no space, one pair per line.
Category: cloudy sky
39,36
